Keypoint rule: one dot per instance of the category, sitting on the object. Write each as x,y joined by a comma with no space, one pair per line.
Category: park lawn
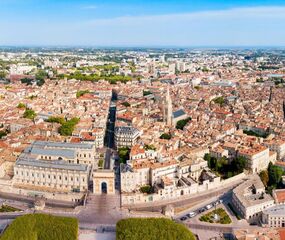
151,229
42,227
224,217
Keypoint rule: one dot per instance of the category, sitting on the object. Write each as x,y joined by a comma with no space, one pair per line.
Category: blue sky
143,23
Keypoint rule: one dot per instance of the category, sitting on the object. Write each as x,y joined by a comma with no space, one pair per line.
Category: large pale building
274,216
258,157
126,136
55,167
250,199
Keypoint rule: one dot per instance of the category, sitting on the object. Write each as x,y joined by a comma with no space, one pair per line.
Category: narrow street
109,137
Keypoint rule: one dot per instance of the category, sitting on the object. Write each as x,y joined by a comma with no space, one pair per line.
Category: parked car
209,206
202,210
183,218
221,200
192,214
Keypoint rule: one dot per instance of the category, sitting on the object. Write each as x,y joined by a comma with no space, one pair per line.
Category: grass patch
209,217
151,229
6,208
234,211
42,227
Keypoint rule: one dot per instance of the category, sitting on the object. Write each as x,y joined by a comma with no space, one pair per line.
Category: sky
142,23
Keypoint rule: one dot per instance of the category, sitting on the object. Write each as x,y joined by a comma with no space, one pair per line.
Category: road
109,136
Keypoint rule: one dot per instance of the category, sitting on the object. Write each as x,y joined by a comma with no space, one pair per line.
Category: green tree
56,120
42,227
3,134
182,123
3,74
41,75
81,93
29,113
126,104
146,92
239,164
67,128
219,100
124,154
146,189
27,81
151,229
166,136
21,105
275,175
264,177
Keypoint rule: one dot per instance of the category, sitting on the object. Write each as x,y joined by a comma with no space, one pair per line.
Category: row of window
49,184
49,176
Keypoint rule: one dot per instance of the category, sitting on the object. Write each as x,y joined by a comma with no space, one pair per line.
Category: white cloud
253,26
273,12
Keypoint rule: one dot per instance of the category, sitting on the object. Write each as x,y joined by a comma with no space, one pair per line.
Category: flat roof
278,210
60,164
62,145
66,153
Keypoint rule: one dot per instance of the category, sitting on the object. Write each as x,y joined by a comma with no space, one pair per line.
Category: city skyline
142,23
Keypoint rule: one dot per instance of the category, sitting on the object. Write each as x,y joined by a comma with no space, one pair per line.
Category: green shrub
30,114
146,189
42,227
166,136
6,208
21,105
151,229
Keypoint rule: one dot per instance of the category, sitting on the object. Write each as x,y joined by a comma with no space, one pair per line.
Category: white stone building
274,216
126,136
250,199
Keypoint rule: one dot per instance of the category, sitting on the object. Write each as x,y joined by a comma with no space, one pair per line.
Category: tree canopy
151,229
67,127
182,123
219,100
166,136
21,105
29,113
225,167
275,175
124,154
42,227
2,74
81,93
